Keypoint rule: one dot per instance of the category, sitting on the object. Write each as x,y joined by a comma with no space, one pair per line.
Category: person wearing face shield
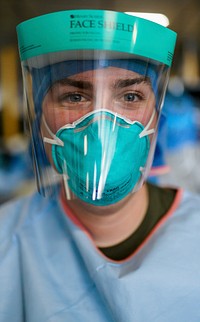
98,243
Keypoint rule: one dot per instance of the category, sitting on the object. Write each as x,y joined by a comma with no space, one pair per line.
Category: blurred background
181,142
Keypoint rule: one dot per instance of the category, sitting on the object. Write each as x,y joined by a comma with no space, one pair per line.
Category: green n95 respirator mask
101,156
94,84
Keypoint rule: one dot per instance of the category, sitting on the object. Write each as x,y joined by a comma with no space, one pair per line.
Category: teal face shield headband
101,30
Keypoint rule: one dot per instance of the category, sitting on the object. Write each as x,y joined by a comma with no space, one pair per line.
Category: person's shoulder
190,198
15,213
187,209
190,203
15,205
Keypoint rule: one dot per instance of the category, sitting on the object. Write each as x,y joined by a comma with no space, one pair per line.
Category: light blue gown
50,270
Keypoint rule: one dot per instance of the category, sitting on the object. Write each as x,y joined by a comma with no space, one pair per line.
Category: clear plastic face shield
92,108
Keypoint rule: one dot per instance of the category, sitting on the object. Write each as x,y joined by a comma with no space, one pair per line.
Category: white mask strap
146,130
55,139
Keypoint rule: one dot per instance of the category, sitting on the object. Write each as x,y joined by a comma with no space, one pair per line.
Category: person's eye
132,97
73,98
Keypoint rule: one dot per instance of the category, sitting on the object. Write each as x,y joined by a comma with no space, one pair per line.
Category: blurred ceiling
184,15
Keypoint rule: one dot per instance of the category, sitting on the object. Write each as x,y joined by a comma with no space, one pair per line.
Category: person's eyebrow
121,83
81,84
